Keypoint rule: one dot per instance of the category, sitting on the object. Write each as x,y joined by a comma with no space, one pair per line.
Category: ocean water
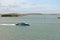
42,27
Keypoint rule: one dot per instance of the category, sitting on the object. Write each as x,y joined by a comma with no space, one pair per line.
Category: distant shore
18,14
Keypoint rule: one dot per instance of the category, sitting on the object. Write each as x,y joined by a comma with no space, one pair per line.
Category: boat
58,17
22,24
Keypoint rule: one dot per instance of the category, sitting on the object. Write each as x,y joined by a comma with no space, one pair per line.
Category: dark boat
22,24
58,17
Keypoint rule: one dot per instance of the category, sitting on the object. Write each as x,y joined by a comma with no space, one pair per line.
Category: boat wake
8,24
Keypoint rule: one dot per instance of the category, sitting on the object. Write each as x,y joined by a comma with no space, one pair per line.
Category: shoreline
18,14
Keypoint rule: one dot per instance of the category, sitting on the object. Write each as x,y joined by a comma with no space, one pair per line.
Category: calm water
43,27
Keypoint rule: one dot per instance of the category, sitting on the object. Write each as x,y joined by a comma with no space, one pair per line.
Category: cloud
26,6
12,2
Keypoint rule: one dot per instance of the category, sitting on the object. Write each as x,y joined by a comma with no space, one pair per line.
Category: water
43,27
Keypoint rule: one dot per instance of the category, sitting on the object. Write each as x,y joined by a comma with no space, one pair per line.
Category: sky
30,6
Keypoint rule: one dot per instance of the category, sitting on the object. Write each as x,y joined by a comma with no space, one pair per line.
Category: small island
18,14
10,15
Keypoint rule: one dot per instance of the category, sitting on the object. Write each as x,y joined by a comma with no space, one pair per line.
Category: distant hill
33,14
18,14
10,15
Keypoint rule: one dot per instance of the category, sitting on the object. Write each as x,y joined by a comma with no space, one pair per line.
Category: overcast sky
30,6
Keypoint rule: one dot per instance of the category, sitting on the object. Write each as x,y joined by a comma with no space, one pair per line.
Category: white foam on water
8,24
